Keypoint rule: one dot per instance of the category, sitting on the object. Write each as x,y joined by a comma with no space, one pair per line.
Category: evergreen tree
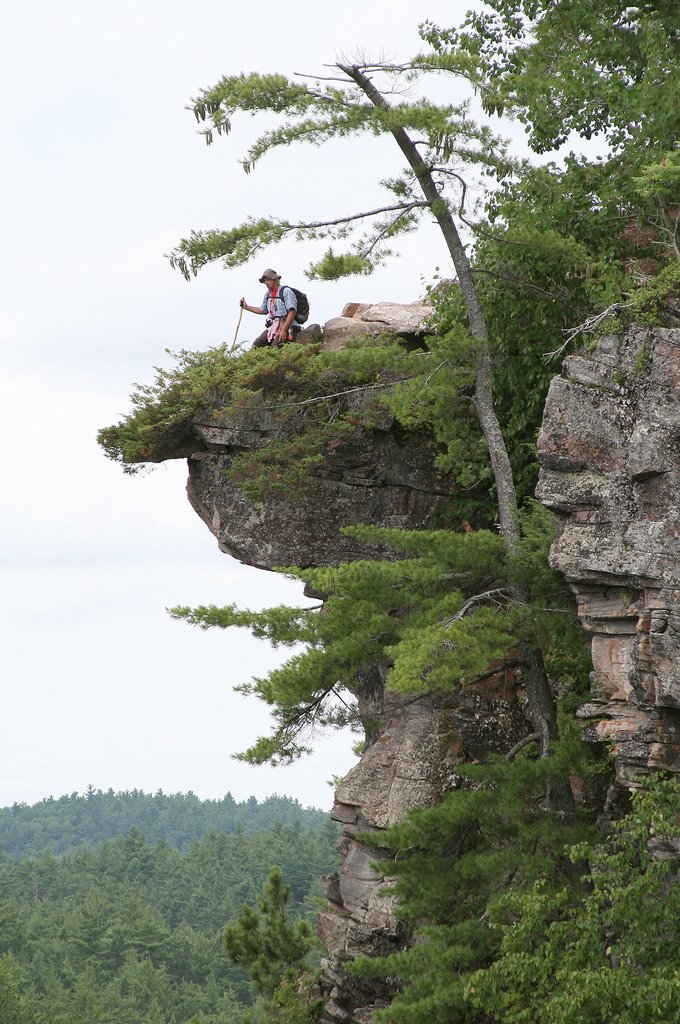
14,1009
265,941
434,618
602,951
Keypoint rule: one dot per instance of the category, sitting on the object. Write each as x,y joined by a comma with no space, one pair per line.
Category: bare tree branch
474,600
533,737
587,327
403,207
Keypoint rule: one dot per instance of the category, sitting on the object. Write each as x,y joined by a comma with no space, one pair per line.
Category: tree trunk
500,463
541,704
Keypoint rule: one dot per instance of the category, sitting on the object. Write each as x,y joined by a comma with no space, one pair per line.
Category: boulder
398,318
361,319
340,329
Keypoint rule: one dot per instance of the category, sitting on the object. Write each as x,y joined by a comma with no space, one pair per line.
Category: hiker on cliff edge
280,306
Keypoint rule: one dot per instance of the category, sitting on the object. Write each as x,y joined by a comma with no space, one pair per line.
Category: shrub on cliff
606,949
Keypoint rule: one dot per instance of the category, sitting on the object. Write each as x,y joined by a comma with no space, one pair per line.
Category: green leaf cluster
433,619
454,864
604,950
570,66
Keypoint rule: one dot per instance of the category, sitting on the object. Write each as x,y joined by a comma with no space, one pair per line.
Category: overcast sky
102,174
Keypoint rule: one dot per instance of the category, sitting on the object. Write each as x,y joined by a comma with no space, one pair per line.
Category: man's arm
251,309
283,329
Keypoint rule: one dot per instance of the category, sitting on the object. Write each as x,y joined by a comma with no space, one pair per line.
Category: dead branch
533,737
587,327
484,598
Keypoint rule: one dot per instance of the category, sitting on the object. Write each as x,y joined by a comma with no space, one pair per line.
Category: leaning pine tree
437,142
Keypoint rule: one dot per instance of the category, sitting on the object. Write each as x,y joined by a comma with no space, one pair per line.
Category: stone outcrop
610,457
377,476
382,476
409,322
410,765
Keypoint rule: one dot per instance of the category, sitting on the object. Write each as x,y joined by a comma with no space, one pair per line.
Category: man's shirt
278,306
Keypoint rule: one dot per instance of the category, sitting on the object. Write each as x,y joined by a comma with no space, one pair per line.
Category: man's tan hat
270,275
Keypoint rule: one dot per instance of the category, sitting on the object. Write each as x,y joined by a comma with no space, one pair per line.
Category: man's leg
261,341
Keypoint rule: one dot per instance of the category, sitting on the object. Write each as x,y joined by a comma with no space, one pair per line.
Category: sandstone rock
399,318
359,319
610,471
309,334
412,763
355,309
340,329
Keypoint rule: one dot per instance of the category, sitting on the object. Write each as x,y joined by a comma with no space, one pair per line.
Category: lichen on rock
609,450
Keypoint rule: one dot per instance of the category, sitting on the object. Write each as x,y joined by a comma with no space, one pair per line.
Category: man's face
271,283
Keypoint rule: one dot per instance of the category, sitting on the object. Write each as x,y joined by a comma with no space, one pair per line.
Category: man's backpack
302,314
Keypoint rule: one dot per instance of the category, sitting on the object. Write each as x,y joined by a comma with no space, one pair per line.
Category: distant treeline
132,932
69,822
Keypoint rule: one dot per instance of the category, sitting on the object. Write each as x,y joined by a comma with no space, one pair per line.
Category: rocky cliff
386,478
374,476
610,455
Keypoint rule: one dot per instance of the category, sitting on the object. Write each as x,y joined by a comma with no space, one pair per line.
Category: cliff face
409,766
609,451
371,477
610,455
379,476
383,477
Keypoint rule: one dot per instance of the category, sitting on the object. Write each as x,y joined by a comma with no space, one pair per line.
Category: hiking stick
233,344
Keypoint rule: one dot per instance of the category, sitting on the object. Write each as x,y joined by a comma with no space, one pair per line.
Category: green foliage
602,951
658,301
291,1003
275,951
335,265
455,862
564,244
14,1008
663,177
572,66
316,113
133,931
65,824
434,619
265,941
302,399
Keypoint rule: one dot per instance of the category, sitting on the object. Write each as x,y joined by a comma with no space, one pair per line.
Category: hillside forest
532,890
113,905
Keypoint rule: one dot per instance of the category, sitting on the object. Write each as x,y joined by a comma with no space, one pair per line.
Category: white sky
102,173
